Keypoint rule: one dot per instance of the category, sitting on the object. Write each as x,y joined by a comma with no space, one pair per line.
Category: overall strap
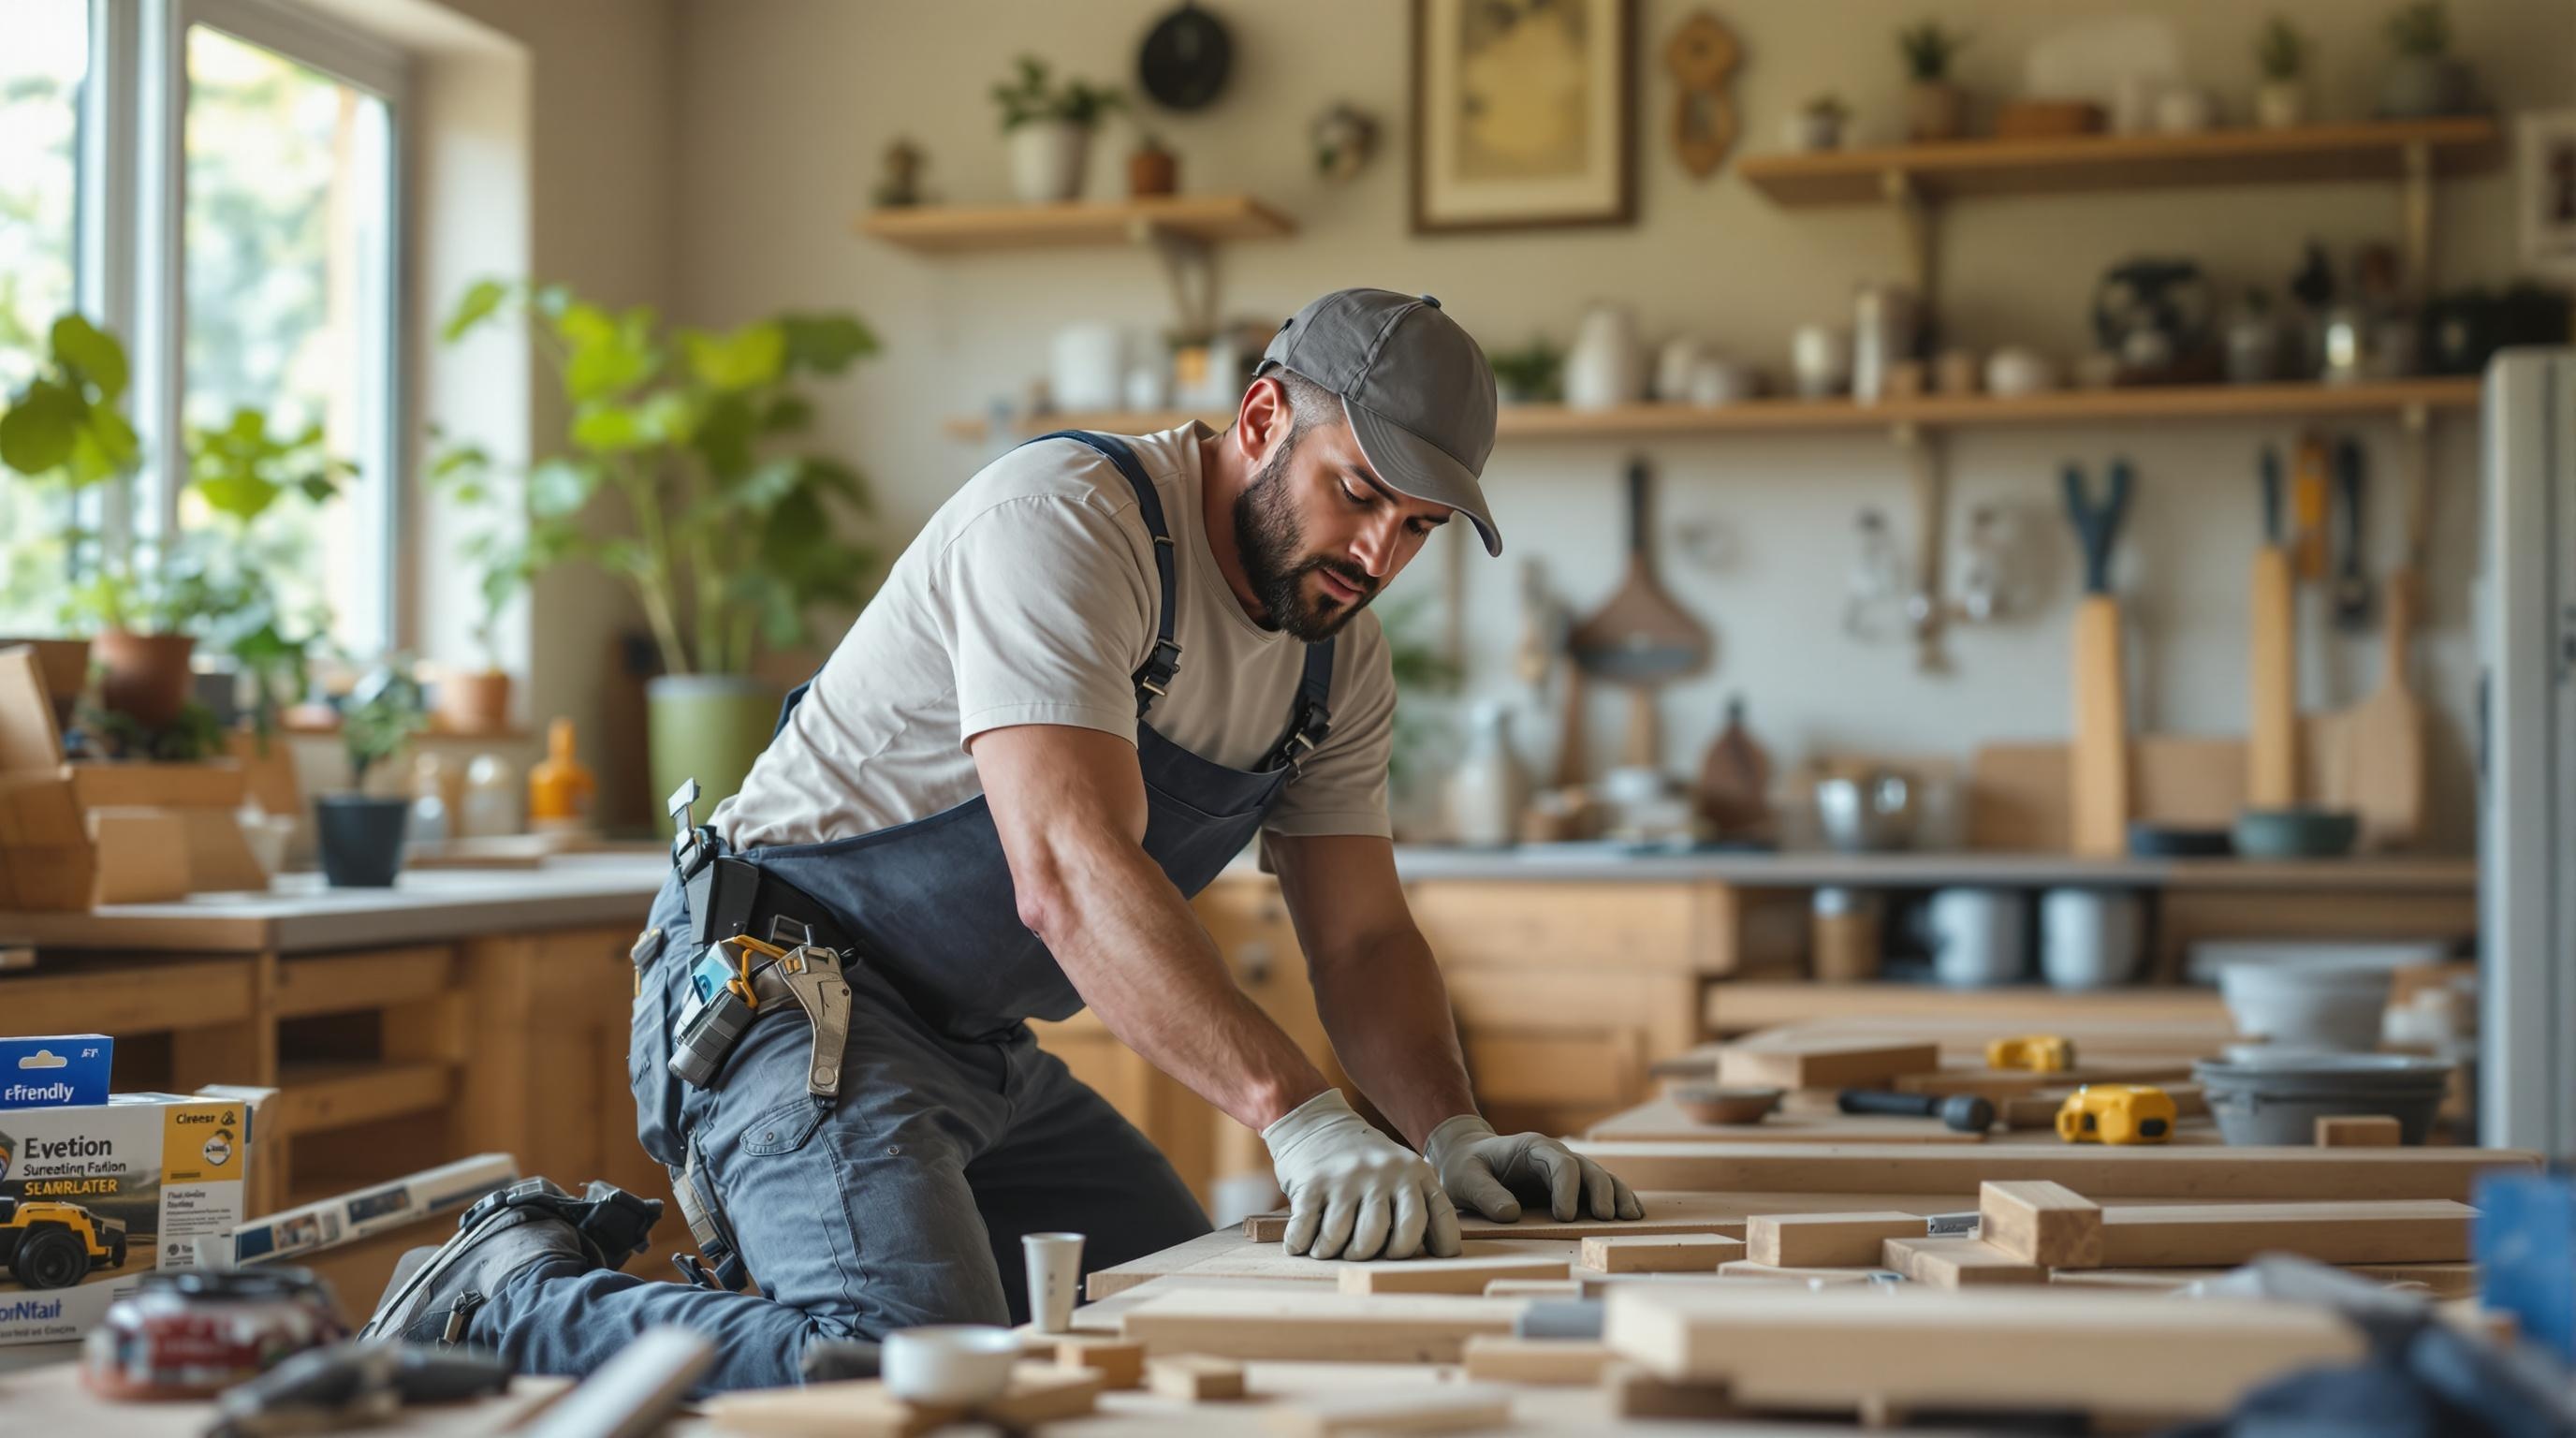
1153,678
1311,718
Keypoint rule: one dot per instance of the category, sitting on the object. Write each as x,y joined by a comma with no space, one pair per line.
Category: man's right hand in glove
1352,1191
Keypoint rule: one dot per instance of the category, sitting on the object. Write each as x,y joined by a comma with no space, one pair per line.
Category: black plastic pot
361,839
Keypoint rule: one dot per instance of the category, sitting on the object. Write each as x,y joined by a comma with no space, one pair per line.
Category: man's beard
1272,546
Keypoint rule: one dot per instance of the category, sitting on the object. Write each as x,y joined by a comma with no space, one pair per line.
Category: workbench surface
1797,869
298,913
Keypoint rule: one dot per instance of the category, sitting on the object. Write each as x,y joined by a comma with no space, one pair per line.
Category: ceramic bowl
1716,1103
950,1364
2296,833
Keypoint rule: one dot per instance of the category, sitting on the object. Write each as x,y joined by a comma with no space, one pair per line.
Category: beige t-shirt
1030,598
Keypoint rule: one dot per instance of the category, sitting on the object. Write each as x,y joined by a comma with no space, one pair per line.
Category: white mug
1055,1273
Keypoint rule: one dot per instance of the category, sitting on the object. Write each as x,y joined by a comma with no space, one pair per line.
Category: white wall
785,106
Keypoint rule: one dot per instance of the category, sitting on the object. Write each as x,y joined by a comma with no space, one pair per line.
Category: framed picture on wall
1524,114
2547,160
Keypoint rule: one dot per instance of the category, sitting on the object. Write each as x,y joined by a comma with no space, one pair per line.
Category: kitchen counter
298,913
1817,868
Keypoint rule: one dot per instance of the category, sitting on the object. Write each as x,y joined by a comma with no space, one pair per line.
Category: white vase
1820,359
1489,788
2281,105
1673,365
1605,369
1047,160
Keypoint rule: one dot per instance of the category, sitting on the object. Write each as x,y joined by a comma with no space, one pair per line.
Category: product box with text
94,1196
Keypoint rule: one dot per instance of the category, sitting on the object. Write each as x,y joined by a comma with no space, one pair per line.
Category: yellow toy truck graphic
45,1244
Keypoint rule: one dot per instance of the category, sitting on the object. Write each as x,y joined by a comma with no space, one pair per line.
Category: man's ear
1262,420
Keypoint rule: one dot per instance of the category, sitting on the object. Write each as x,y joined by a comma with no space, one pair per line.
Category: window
216,182
42,70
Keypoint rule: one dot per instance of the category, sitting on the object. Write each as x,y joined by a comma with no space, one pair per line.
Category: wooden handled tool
2272,743
1641,639
2099,775
2383,746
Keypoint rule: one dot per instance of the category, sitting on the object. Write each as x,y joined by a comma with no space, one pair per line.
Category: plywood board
1447,1408
1534,1288
1825,1240
1302,1323
1663,1119
1445,1275
2367,1130
1665,1213
862,1408
1273,1263
2103,1353
1544,1361
1748,1269
2219,1235
2213,1173
1660,1253
2039,1222
1195,1378
1957,1263
1120,1365
1792,1060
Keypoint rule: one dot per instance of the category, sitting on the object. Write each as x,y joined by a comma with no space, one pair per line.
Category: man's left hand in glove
1492,1173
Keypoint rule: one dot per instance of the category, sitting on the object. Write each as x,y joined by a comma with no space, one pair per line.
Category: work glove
1489,1173
1352,1191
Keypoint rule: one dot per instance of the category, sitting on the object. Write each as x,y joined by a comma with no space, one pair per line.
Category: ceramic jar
1606,368
1489,788
1820,361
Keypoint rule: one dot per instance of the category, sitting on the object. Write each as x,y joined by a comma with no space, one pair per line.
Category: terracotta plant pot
147,676
64,663
1935,112
1153,172
474,701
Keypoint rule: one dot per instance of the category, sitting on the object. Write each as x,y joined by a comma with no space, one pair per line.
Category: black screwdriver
1966,1112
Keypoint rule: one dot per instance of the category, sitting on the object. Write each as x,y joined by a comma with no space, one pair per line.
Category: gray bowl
2276,1099
2296,833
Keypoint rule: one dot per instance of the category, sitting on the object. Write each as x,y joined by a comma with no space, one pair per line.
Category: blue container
55,1070
2526,1252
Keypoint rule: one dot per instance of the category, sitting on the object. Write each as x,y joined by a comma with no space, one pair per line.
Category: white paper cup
1055,1274
953,1364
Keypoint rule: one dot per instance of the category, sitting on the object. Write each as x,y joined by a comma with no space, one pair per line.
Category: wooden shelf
2087,406
1203,219
1741,1007
2372,150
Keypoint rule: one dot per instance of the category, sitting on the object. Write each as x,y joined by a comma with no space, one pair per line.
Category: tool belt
760,944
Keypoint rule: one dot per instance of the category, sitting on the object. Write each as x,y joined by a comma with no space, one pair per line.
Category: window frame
132,249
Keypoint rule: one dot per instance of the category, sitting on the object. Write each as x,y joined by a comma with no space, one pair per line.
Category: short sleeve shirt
1030,598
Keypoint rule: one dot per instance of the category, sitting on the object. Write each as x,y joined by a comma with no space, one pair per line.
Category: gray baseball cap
1415,386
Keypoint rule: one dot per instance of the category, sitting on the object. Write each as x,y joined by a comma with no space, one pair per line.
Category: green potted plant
1817,126
2422,80
360,835
1532,374
242,471
1935,109
61,430
2281,101
679,476
499,556
1049,129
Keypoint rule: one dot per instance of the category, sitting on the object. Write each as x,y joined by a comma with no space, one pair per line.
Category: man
1100,671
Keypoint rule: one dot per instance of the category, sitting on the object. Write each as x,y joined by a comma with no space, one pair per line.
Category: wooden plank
1272,1263
1445,1275
1542,1361
1665,1213
1303,1323
2100,1172
2363,1130
2354,150
2219,1235
1534,1288
1825,1240
1663,1119
1957,1263
1660,1253
1748,1269
117,997
323,1096
1794,1061
2039,1222
1445,1408
1120,1365
1195,1378
862,1408
381,978
1109,1282
1981,1349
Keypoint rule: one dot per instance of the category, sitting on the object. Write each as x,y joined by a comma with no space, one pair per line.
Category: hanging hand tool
2272,742
2352,581
2099,781
2308,500
1964,1112
1641,639
2116,1113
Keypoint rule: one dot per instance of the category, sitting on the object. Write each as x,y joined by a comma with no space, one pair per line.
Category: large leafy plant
729,536
242,472
62,425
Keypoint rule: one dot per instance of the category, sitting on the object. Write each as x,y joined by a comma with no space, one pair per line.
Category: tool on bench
2116,1113
2034,1053
354,1384
1965,1112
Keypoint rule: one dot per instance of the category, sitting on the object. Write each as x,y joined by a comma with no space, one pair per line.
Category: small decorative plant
241,471
384,711
1928,49
2281,52
2421,31
1531,374
1828,108
1028,97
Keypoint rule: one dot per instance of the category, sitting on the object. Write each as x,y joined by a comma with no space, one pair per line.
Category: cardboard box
56,1070
94,1196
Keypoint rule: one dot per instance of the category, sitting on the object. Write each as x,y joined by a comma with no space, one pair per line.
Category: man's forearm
1145,964
1388,1014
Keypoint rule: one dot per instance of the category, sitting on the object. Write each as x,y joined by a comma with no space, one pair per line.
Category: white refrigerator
2527,754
